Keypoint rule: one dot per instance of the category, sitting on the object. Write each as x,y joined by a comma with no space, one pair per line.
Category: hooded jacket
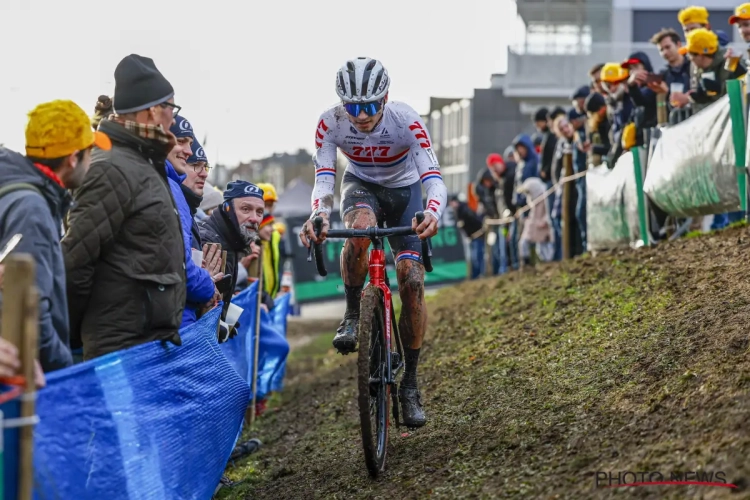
642,96
38,217
529,168
199,285
194,203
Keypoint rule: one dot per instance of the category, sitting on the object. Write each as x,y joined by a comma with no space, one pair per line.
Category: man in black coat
235,225
473,228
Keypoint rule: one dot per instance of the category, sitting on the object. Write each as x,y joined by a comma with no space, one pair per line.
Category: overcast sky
253,76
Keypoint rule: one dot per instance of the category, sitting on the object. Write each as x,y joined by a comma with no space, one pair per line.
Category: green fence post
737,114
642,217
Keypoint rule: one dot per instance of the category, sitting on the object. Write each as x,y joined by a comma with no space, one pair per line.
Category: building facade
279,170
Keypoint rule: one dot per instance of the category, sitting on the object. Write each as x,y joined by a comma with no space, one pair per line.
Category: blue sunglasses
370,108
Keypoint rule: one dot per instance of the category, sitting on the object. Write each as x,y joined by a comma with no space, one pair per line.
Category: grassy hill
535,381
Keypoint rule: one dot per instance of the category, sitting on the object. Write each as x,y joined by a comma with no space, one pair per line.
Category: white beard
249,233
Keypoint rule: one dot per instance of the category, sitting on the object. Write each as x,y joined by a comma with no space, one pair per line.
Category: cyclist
390,159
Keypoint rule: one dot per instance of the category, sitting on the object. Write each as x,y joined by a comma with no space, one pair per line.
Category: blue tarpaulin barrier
153,421
273,348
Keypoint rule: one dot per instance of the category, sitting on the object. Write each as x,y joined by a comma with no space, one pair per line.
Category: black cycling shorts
393,207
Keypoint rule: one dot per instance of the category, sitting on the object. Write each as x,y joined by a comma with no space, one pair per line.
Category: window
557,39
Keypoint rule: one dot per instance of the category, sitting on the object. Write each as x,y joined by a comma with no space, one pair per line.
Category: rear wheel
374,392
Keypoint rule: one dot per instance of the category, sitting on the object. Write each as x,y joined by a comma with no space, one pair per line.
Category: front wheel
374,392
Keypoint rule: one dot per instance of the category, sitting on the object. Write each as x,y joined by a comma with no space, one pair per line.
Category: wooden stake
257,336
29,355
20,326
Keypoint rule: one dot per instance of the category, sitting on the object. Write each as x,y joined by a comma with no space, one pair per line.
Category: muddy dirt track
534,382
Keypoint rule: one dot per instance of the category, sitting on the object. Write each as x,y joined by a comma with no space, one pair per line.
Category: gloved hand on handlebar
307,233
428,228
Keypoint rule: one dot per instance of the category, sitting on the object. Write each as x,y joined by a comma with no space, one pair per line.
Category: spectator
614,78
557,111
102,111
527,167
212,198
504,174
271,242
528,164
124,253
677,73
595,74
200,288
536,229
741,18
193,187
693,18
568,140
536,139
708,73
269,196
598,129
486,189
541,122
579,99
640,71
577,119
472,226
235,227
34,202
509,179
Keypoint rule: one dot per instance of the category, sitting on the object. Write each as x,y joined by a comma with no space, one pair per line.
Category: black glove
174,339
233,331
223,334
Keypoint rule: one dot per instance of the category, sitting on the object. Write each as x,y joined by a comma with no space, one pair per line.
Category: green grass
531,381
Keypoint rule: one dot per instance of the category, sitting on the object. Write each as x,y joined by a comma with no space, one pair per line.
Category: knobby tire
372,328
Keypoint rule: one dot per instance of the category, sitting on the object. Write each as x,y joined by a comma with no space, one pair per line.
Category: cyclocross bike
380,360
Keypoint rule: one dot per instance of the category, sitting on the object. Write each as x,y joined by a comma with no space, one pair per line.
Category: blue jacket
200,286
39,219
530,167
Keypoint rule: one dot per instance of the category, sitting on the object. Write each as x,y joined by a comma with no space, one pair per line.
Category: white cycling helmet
362,80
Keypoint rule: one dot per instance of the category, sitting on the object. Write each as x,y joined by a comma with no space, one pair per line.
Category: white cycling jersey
397,153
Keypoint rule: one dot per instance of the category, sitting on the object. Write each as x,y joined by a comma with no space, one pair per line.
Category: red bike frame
376,263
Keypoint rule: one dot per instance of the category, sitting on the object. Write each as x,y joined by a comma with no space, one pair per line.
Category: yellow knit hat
702,41
269,192
59,128
614,73
693,14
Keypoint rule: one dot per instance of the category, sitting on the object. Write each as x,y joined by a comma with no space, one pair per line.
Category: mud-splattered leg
411,326
354,253
413,321
354,272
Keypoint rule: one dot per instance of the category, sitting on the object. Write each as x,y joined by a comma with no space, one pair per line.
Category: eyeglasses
175,108
197,168
370,108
